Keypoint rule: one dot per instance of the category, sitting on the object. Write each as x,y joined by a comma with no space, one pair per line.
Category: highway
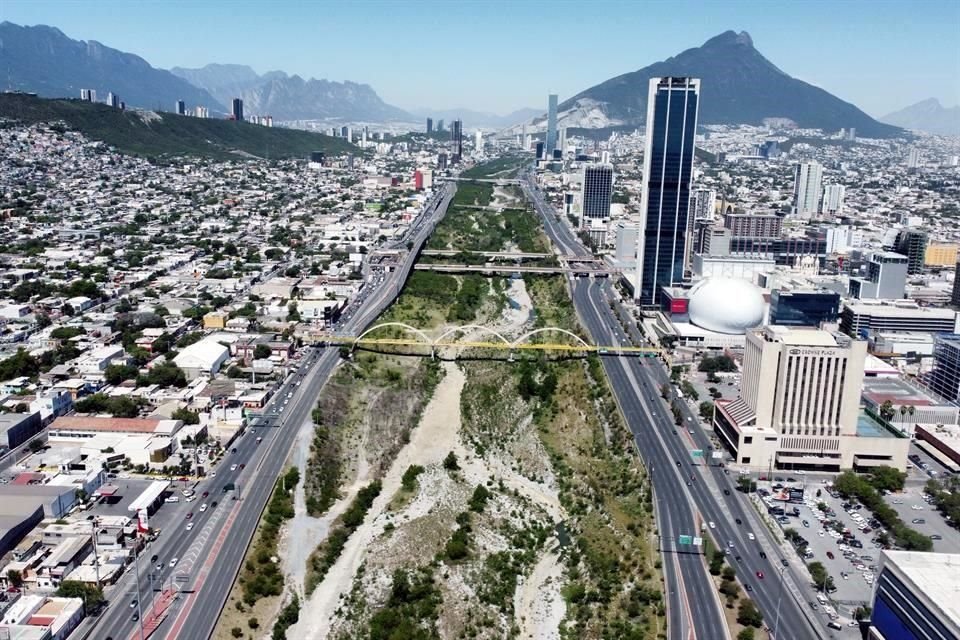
209,556
688,495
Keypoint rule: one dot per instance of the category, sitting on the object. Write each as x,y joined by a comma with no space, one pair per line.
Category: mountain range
473,118
44,61
287,97
929,116
739,86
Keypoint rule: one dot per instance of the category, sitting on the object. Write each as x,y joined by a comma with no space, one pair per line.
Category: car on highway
760,574
242,466
133,603
189,514
748,587
233,467
173,562
713,525
730,543
205,494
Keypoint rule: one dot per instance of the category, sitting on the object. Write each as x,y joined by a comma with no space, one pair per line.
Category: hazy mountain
291,97
43,60
928,115
483,119
739,86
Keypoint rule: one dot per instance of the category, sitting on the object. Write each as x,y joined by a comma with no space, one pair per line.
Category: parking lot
825,545
852,567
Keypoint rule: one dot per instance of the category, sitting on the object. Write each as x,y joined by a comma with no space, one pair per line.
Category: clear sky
502,55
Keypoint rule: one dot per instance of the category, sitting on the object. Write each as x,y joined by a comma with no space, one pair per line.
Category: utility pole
96,556
136,572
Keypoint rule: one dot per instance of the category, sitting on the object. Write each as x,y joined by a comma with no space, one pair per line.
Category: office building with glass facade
672,107
804,308
916,596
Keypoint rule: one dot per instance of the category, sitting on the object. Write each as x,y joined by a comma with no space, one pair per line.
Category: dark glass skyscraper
456,140
667,169
237,109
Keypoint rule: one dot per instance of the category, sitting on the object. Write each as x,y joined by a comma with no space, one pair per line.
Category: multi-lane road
208,556
688,496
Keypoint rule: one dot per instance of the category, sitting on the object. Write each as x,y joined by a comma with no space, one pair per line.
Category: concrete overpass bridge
460,338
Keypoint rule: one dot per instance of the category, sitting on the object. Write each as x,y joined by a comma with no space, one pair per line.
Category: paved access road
209,555
688,496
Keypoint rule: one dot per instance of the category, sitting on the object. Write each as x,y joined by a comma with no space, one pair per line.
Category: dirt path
540,607
502,198
429,443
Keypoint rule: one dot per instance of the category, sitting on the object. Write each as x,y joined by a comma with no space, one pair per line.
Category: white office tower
832,204
93,95
799,405
527,141
478,141
85,95
202,112
806,189
913,159
363,138
704,204
563,140
604,157
349,134
524,138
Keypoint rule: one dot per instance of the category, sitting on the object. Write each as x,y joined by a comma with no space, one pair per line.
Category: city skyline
894,43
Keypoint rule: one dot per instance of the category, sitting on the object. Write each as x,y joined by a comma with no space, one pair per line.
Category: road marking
201,577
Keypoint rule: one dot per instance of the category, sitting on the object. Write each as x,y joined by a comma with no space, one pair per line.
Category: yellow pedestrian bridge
545,339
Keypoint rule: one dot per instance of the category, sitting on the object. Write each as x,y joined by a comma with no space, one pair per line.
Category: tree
749,615
718,363
746,634
261,351
886,478
706,410
15,578
862,612
92,596
450,462
188,417
36,445
886,410
117,373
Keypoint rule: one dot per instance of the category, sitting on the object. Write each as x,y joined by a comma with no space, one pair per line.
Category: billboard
796,494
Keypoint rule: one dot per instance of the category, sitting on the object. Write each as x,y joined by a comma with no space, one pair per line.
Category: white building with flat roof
799,405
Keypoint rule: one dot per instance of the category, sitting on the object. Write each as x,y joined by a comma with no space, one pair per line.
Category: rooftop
800,337
935,574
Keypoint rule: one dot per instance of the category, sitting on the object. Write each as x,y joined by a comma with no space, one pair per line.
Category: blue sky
498,56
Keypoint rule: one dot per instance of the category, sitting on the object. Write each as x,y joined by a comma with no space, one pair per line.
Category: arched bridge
490,339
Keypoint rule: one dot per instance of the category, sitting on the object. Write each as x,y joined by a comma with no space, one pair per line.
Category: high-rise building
597,194
440,125
913,244
551,124
113,100
349,134
944,380
832,204
704,204
799,405
93,95
456,141
806,188
202,112
915,595
754,225
442,162
913,159
181,108
85,95
886,278
672,107
852,134
955,297
478,141
538,149
940,254
429,125
237,109
809,308
562,144
418,180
